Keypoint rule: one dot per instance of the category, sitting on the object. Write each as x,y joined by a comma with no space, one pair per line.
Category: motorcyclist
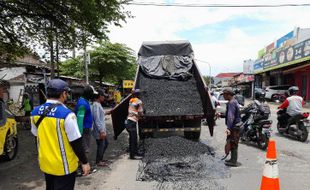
293,105
260,105
239,97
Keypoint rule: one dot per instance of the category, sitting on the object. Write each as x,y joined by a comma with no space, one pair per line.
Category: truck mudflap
211,122
119,115
171,129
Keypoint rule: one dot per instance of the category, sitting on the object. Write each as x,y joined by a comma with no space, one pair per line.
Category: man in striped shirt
135,111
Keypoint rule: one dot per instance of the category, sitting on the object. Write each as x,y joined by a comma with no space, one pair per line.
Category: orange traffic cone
270,180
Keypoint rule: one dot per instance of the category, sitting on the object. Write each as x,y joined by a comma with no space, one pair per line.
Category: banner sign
270,59
259,65
128,83
287,56
248,66
284,38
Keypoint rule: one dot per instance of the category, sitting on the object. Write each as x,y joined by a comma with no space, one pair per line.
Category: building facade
286,62
224,79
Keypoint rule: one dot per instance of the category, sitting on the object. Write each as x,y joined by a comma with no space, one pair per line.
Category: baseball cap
228,90
136,91
58,85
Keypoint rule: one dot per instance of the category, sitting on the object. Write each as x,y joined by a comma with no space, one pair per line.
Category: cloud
224,37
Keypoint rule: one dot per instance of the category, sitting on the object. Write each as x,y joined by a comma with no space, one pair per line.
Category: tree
208,79
111,62
55,23
73,67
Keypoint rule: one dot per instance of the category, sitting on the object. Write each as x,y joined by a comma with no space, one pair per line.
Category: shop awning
303,67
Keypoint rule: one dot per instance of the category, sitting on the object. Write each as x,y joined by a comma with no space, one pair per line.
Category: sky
221,37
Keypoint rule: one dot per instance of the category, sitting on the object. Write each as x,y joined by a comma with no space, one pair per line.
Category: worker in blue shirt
232,121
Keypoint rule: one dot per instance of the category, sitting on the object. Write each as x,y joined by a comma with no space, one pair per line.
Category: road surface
293,158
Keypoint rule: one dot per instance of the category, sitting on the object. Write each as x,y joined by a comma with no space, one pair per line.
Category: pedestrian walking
59,140
27,106
135,111
232,122
99,128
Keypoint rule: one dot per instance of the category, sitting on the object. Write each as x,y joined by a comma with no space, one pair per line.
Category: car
259,90
8,133
221,107
272,92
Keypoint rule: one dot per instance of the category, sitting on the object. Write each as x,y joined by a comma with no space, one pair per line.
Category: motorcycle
279,97
258,131
297,126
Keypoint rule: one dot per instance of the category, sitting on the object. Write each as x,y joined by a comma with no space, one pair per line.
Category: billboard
248,66
128,84
270,48
259,65
294,54
284,38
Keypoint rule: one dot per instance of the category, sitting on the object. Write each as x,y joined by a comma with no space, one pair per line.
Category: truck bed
164,97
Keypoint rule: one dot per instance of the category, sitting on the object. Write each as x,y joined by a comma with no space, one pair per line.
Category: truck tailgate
119,115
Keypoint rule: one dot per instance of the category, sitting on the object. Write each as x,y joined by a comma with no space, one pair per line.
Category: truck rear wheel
144,135
194,135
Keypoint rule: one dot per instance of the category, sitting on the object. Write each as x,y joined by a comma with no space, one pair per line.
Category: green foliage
73,67
208,79
67,22
110,62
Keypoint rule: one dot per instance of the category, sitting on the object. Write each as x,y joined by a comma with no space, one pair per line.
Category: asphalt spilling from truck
178,163
164,97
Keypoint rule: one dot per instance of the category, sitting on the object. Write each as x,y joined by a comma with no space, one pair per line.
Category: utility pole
87,62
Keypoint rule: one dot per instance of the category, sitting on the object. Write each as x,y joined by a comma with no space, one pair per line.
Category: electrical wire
217,5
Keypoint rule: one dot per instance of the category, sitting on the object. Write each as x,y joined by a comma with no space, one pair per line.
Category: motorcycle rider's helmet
260,95
237,91
293,90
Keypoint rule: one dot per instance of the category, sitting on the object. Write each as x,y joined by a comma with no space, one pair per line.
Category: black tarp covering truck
174,94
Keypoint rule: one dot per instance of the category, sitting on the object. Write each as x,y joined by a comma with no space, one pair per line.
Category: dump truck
173,92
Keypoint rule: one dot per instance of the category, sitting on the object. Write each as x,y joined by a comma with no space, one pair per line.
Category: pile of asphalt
164,97
179,163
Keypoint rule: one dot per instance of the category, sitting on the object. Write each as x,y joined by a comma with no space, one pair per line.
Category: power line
216,5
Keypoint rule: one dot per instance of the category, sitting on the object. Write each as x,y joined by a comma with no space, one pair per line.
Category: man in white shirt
292,104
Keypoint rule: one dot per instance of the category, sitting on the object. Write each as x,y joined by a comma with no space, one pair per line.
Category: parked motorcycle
258,131
297,126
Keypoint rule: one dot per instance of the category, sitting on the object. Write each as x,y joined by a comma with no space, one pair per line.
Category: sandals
102,164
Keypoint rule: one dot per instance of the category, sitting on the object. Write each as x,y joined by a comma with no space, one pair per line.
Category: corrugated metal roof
10,73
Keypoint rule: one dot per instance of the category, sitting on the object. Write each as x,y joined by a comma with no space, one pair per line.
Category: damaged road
183,170
178,160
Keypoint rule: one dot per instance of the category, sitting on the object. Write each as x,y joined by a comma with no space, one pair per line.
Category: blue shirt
232,114
88,119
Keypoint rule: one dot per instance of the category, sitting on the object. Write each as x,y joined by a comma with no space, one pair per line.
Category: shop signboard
284,38
259,65
248,66
261,53
270,48
295,52
270,59
128,84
